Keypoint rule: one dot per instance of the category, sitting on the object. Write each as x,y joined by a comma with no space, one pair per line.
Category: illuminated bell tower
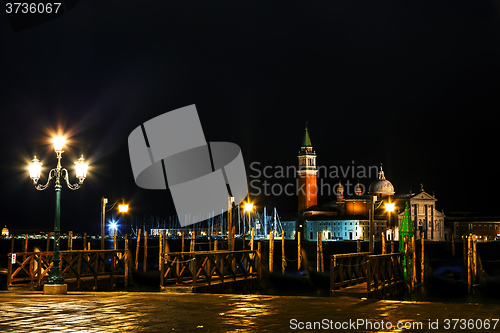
307,184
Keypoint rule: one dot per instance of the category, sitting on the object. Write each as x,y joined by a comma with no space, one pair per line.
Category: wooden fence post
182,242
84,241
191,244
358,245
137,250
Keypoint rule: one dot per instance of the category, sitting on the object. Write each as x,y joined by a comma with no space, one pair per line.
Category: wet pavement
161,312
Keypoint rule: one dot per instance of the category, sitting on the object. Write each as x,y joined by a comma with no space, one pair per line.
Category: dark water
449,286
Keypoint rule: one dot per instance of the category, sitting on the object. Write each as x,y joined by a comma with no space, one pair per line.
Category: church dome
382,185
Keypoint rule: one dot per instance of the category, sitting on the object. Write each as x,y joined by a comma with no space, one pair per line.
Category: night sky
414,85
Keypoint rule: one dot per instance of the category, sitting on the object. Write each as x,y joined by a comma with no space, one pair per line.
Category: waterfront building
485,225
5,232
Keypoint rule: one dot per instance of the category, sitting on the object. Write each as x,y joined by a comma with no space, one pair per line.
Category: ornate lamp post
35,170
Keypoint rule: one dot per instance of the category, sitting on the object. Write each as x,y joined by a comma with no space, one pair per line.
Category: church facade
424,215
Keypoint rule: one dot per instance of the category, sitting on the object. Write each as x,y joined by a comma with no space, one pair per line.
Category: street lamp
35,170
379,188
248,208
122,208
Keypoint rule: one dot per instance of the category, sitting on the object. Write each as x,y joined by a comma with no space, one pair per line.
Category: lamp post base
55,289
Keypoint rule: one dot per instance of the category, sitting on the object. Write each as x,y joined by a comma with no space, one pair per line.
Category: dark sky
410,84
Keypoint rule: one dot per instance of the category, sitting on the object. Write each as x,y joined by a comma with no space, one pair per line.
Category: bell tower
307,184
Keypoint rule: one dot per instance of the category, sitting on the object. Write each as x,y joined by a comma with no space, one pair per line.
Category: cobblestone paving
160,312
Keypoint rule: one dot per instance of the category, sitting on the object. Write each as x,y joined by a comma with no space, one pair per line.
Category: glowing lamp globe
248,207
123,208
58,143
81,169
389,207
35,169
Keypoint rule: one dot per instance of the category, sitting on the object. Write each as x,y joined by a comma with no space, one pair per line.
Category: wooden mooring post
115,245
160,248
252,239
422,259
299,254
84,242
320,267
413,261
145,251
383,243
283,258
191,244
358,245
70,241
453,246
126,254
271,251
137,250
469,264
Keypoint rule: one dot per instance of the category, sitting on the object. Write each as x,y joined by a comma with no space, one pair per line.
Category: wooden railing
31,269
384,276
208,267
347,269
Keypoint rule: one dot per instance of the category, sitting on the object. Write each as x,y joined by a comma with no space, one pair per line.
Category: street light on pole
248,208
379,188
122,208
55,282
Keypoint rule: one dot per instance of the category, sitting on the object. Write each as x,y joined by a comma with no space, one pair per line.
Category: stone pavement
162,312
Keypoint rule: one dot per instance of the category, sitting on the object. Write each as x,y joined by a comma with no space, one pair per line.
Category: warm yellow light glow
81,168
35,169
248,207
389,207
123,208
58,143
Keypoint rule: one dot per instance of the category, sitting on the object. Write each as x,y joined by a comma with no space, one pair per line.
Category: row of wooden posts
469,252
164,247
